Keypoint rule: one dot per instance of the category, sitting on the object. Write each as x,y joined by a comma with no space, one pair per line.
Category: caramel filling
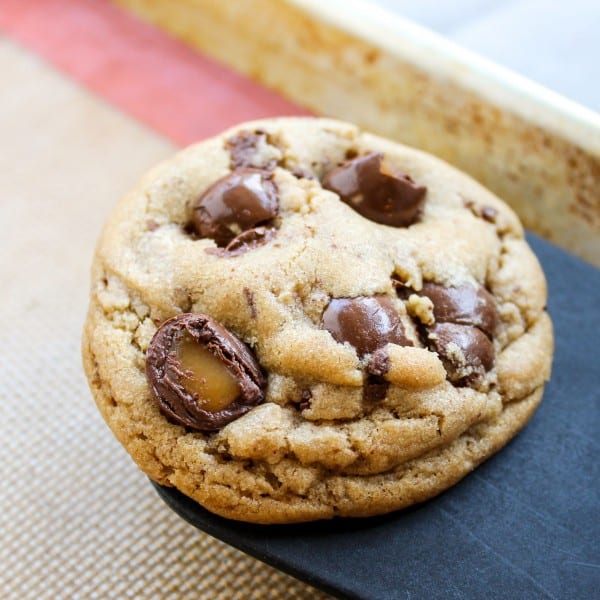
206,377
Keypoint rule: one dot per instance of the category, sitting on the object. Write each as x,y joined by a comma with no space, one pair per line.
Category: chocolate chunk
403,290
305,399
489,213
247,240
201,374
375,388
243,149
466,351
485,212
367,323
465,305
371,189
240,201
379,363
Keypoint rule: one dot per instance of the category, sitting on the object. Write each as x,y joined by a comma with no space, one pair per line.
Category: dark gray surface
523,525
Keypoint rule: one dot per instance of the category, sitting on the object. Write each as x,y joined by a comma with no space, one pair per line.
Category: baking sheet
351,60
523,525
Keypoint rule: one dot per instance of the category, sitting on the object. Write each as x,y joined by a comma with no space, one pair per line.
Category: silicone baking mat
91,99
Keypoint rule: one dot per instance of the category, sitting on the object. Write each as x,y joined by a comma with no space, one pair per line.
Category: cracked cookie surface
389,354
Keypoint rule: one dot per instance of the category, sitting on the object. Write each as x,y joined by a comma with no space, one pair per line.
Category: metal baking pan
352,60
522,525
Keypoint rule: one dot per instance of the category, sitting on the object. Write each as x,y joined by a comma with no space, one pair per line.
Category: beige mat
77,519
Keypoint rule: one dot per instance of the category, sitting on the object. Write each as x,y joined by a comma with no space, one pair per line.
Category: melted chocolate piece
375,388
464,305
247,240
365,184
379,363
240,201
367,323
167,378
242,149
466,351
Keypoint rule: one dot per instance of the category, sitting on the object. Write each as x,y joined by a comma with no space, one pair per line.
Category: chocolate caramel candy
367,323
467,353
367,184
201,374
464,305
242,200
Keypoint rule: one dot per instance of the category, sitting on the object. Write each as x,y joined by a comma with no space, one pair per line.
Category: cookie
298,320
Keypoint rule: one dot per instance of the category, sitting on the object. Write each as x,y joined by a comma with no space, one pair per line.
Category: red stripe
136,67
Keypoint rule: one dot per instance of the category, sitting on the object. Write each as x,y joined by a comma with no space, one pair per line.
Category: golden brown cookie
299,320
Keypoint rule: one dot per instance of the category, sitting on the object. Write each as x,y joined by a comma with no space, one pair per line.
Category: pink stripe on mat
155,79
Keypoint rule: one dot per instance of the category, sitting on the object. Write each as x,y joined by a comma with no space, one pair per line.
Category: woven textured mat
77,518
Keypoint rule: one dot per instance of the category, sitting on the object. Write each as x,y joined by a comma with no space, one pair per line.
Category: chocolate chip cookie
298,320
